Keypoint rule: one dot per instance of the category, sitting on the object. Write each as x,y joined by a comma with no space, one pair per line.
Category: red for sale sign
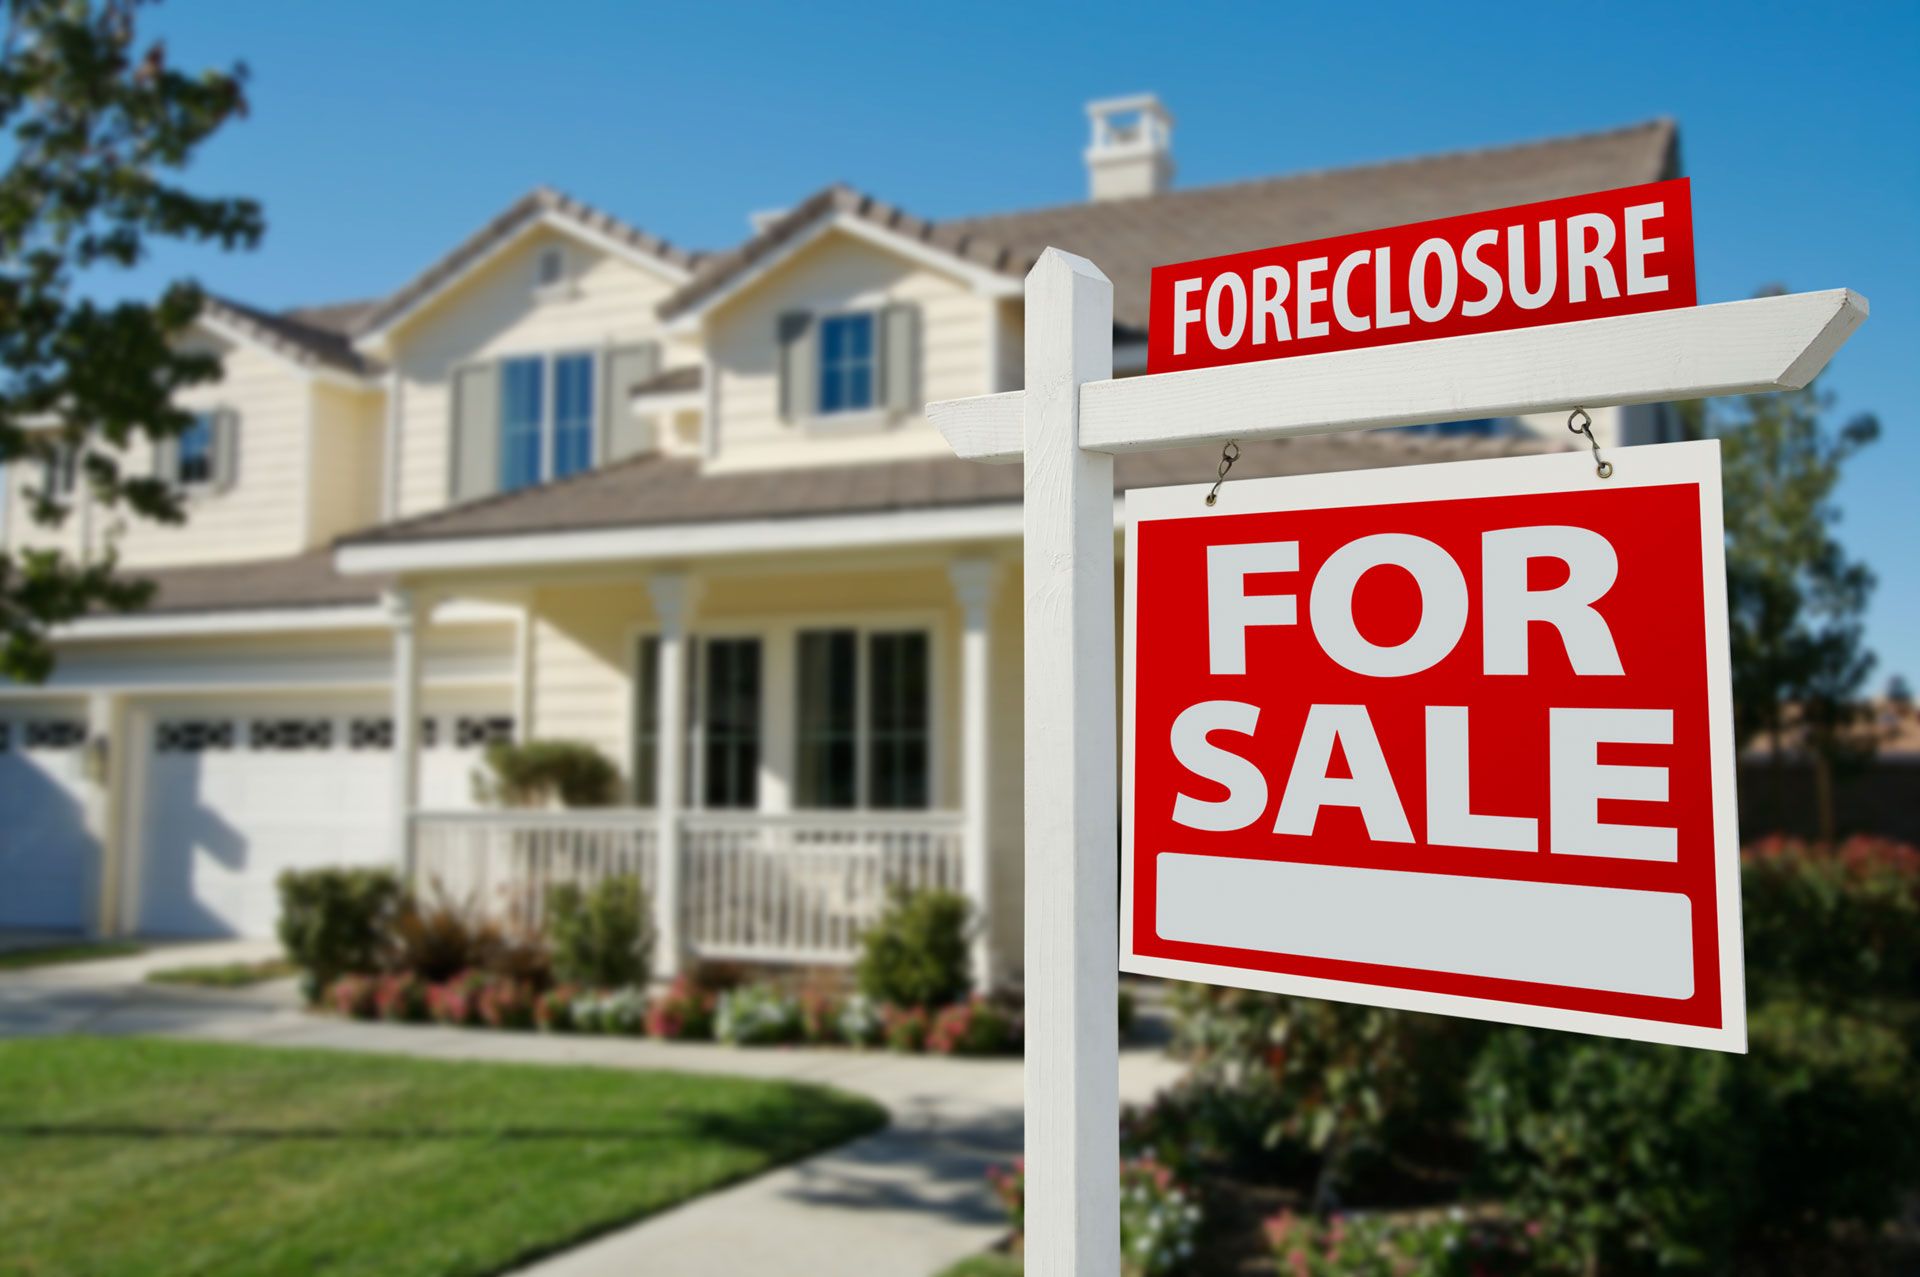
1618,252
1451,738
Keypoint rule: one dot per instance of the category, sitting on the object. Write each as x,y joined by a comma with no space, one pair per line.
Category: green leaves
97,130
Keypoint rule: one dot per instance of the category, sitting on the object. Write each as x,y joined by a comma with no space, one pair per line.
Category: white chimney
1132,149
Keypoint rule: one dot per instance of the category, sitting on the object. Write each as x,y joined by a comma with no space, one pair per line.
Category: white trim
1733,348
1696,464
377,340
981,280
356,616
1000,520
390,446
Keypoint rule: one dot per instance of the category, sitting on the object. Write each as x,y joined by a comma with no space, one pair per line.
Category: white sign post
1066,424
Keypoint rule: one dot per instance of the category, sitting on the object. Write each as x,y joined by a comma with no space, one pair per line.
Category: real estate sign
1450,738
1619,252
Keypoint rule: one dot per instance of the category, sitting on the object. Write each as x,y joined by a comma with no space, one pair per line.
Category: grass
73,951
149,1158
225,975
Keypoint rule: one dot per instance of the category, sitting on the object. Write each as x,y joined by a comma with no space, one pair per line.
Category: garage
48,862
236,792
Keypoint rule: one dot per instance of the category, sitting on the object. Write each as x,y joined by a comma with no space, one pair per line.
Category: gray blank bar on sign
1604,938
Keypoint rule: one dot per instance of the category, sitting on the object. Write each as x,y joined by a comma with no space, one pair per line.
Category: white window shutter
226,449
624,434
799,358
474,458
900,359
166,461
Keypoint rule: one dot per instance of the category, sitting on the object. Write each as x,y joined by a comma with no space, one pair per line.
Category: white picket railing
504,862
754,887
801,887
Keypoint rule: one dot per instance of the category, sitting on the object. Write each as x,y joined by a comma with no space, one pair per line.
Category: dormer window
847,363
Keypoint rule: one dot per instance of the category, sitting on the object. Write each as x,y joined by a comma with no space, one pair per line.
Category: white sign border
1696,463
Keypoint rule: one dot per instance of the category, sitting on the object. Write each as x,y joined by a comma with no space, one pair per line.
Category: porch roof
297,581
658,492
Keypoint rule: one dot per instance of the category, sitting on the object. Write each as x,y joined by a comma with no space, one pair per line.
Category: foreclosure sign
1450,738
1619,252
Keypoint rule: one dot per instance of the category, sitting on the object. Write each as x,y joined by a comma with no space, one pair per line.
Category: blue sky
382,133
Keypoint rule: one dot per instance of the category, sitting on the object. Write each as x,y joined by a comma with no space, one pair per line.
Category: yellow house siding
840,273
349,428
497,313
581,666
261,516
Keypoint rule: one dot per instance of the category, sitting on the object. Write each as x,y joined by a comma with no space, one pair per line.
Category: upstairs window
522,404
196,445
572,414
847,363
59,473
546,418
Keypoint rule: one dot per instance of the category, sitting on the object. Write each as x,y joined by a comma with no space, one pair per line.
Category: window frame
780,702
547,425
865,632
873,406
209,419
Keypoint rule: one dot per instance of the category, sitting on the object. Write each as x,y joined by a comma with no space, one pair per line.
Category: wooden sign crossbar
1066,425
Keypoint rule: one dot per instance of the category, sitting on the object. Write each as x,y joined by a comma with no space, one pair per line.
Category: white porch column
104,766
403,611
974,583
673,597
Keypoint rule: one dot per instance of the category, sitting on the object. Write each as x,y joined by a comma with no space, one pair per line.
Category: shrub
617,1011
534,773
553,1010
904,1028
858,1021
757,1015
332,921
1334,1079
1450,1245
402,997
1159,1216
973,1027
506,1003
915,954
1635,1158
683,1013
820,1011
353,995
439,938
457,1001
602,936
1837,923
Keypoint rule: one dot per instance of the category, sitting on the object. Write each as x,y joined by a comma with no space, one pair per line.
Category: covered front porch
799,736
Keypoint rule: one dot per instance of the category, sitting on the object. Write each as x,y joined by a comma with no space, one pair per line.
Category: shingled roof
656,491
1126,238
314,337
301,580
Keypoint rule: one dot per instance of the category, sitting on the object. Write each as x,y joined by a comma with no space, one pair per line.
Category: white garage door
48,863
237,793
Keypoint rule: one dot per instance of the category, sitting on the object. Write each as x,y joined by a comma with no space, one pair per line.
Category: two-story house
574,482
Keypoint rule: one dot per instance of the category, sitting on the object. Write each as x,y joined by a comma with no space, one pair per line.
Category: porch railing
506,862
801,887
753,886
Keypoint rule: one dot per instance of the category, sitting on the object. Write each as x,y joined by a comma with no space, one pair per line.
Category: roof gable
302,337
539,207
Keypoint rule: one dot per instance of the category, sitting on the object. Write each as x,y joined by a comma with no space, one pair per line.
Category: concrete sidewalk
908,1200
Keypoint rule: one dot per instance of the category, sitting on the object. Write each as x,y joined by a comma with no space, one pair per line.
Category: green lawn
986,1266
136,1158
74,951
225,975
